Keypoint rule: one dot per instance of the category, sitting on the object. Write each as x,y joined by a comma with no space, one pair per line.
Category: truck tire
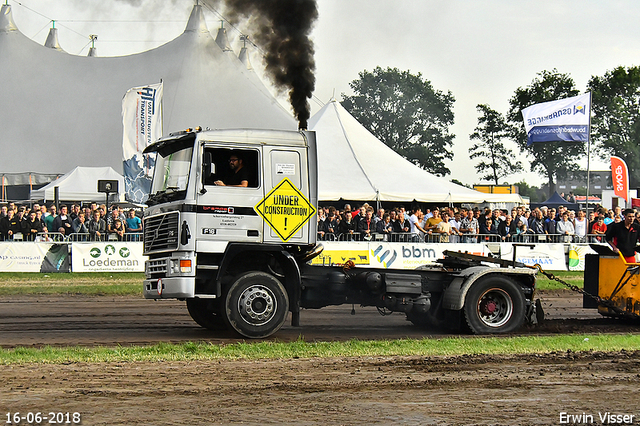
256,305
205,313
494,304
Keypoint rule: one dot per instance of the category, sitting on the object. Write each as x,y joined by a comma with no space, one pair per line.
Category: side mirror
208,170
208,166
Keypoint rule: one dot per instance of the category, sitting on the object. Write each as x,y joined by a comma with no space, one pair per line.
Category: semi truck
231,228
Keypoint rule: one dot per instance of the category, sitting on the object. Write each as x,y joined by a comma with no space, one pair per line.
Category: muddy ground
487,390
496,390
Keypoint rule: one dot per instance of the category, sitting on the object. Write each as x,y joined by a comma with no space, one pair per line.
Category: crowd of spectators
448,224
467,225
90,222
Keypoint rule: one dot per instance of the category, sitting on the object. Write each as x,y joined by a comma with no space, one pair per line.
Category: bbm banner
107,257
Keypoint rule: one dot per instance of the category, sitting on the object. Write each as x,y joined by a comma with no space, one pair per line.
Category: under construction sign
285,209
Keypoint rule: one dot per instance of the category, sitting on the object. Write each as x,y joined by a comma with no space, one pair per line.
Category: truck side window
234,167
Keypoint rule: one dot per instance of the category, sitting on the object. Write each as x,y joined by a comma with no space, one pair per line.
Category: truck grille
161,233
155,267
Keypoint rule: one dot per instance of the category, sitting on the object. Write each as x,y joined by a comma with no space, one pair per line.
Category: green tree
615,100
552,159
457,182
405,112
535,194
497,160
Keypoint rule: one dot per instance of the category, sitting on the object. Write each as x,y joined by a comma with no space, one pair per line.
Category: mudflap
535,313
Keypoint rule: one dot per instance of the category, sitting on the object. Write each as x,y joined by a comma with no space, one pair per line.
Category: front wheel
494,304
256,305
205,312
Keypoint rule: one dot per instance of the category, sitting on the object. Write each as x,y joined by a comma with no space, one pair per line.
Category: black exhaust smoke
282,28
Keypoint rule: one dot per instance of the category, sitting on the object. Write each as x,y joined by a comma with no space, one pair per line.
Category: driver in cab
238,175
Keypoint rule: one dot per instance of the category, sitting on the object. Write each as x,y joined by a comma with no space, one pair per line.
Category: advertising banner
562,120
549,256
379,254
142,125
113,256
576,256
620,178
34,257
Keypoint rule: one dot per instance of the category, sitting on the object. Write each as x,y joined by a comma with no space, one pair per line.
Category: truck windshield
171,173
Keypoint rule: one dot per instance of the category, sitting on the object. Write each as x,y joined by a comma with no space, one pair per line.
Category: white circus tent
80,184
61,110
355,165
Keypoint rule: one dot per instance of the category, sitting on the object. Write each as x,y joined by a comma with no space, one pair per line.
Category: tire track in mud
107,321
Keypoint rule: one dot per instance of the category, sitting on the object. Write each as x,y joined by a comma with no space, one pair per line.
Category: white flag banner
142,125
561,120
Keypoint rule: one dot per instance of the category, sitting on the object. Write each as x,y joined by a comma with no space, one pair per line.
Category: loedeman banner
142,125
620,178
107,257
34,257
379,254
562,120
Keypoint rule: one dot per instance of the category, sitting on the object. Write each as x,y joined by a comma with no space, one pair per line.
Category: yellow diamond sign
285,209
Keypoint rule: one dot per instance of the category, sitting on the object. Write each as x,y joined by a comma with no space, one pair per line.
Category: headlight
185,265
180,266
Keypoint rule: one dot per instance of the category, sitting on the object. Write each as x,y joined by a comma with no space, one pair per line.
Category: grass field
12,283
449,346
130,284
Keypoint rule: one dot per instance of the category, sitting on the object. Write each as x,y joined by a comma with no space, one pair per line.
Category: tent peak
93,50
52,39
196,21
244,53
221,38
6,19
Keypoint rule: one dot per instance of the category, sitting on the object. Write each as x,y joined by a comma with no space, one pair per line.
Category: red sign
620,177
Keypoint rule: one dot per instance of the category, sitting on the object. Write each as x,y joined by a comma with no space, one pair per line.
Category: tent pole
588,162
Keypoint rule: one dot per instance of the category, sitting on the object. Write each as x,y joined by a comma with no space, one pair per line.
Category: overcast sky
479,50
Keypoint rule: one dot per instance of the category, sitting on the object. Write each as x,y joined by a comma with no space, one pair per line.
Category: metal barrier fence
56,237
464,238
402,237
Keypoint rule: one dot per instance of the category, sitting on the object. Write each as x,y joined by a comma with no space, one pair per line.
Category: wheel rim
495,307
257,305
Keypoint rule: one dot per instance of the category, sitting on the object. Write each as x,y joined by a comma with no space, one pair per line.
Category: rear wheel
494,304
206,313
256,305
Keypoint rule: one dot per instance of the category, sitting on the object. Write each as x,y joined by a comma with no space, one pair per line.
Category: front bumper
170,288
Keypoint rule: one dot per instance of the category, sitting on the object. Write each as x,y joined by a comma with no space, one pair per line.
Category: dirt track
400,390
378,390
107,321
